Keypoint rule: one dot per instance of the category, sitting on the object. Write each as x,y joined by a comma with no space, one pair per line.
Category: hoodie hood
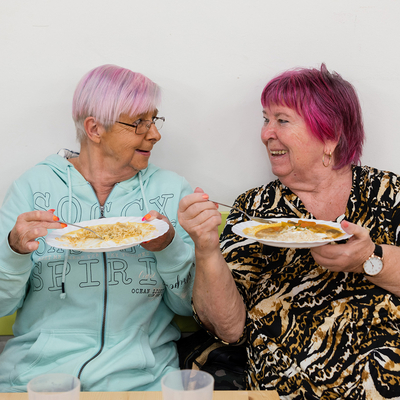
71,177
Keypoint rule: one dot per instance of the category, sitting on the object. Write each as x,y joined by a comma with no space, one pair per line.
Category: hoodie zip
103,324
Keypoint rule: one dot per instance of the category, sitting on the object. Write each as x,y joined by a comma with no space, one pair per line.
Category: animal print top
313,333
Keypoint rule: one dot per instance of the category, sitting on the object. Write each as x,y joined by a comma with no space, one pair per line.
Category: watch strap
378,251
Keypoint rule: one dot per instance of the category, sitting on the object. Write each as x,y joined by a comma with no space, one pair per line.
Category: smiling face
294,152
126,151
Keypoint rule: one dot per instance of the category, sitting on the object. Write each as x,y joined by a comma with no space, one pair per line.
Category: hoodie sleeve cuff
175,256
11,262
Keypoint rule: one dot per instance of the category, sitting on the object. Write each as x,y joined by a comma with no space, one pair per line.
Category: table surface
218,395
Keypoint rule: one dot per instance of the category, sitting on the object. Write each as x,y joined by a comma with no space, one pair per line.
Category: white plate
238,230
161,228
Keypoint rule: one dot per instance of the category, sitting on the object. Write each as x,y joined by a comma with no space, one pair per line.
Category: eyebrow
282,114
141,116
278,114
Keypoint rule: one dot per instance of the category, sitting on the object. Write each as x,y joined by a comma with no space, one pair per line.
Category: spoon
256,219
81,227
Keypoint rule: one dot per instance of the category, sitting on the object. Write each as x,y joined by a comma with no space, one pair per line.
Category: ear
330,146
92,129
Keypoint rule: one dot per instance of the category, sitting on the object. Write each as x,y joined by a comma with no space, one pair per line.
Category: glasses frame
150,122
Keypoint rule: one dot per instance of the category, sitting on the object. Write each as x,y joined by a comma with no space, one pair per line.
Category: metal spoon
82,227
256,219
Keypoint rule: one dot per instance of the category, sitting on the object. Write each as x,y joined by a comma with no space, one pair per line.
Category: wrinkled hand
200,219
29,227
348,257
163,241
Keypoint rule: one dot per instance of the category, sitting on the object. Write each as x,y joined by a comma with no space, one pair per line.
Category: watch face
373,266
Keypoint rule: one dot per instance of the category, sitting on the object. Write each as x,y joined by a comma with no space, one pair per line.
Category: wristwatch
374,264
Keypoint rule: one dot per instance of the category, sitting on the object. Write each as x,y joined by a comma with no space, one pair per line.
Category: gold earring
329,161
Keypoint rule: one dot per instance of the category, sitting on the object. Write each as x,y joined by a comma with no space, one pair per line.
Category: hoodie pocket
52,351
128,350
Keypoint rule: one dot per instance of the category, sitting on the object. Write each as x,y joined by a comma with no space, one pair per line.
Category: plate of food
292,232
117,233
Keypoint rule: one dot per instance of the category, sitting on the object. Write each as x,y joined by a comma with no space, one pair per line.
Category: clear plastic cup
187,384
54,387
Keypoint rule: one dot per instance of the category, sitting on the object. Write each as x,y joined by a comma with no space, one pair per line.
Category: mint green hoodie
112,327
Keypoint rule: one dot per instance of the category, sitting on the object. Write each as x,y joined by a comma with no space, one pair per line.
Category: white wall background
211,57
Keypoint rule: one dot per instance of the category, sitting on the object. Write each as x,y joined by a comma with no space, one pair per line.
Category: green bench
6,324
186,324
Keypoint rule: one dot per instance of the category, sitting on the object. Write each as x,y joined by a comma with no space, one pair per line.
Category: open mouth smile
277,152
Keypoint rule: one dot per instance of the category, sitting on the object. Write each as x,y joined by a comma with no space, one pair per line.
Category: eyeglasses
143,125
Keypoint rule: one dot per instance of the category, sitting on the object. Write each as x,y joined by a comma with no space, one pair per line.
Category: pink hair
328,104
108,91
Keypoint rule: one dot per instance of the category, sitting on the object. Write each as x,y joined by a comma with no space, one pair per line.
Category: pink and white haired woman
104,317
321,322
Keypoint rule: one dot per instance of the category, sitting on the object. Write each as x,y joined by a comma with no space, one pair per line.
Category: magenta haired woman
105,317
319,323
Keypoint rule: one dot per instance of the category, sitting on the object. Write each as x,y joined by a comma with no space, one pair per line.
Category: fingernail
55,218
146,242
146,217
205,196
52,210
63,225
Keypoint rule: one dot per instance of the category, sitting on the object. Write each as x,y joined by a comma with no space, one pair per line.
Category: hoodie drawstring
63,294
142,190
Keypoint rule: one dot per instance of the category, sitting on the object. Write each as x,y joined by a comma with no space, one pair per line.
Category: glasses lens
142,127
159,123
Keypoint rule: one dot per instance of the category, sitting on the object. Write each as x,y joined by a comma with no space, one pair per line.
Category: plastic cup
187,384
54,387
